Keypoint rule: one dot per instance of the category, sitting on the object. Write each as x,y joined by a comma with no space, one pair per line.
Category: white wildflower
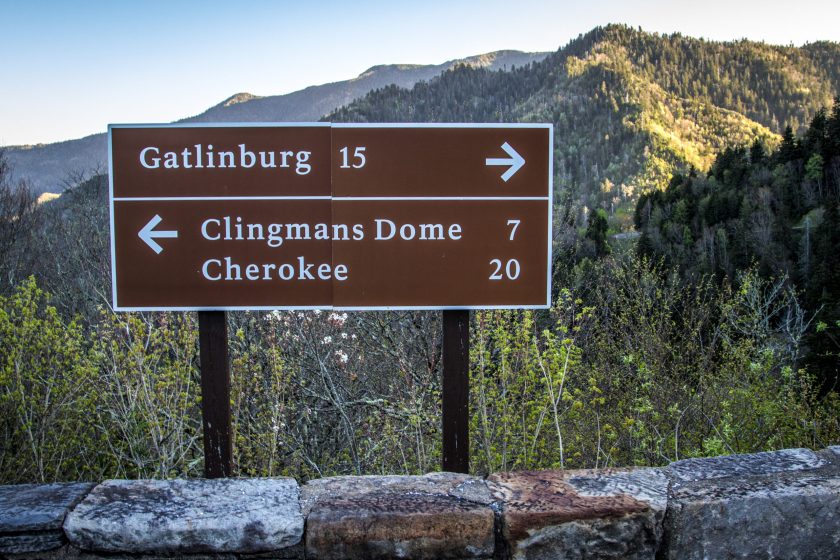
337,319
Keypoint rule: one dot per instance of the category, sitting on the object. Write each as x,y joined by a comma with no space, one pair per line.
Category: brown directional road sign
287,216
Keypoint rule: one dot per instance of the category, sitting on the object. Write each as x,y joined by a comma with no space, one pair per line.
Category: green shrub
48,389
659,369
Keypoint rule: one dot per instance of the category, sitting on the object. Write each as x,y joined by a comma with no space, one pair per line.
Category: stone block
188,516
31,515
707,468
439,515
783,504
610,513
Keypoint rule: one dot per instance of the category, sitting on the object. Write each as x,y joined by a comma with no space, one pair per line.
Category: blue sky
70,68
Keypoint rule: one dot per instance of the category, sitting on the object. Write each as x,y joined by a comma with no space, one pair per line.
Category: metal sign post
456,391
215,394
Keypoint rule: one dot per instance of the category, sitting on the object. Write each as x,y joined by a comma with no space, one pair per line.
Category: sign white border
549,198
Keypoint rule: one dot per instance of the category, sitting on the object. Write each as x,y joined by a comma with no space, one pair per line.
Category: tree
757,152
814,140
17,213
597,232
824,295
789,148
833,130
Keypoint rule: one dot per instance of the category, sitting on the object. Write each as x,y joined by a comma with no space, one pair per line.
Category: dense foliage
655,370
776,211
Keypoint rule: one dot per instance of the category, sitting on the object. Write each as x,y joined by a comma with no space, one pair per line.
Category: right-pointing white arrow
148,234
515,161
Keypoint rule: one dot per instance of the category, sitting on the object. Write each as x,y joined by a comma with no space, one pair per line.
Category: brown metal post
215,394
456,390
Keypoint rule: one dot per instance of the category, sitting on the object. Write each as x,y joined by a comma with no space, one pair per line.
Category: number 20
511,270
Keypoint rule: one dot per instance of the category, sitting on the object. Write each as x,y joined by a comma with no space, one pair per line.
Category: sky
71,67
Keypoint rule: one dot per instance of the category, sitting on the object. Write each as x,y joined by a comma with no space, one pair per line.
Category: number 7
515,224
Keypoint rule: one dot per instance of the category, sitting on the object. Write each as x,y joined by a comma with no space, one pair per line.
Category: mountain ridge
630,108
49,167
313,102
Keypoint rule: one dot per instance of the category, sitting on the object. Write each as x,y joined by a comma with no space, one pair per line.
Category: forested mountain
629,107
51,167
777,212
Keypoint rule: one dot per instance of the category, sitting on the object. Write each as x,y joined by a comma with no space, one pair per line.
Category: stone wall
784,504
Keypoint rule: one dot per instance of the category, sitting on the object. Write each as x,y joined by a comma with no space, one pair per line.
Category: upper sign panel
220,161
440,160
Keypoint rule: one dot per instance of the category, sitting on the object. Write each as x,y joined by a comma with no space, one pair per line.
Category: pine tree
597,232
789,148
757,152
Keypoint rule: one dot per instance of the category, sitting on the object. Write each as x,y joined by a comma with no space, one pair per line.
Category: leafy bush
47,393
149,393
657,370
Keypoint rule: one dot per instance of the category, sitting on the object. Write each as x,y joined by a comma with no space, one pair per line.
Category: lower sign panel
443,253
227,254
355,254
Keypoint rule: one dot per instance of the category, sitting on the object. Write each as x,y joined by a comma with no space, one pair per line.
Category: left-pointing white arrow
515,161
148,234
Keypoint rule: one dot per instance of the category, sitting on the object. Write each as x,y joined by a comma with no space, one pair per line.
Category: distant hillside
48,167
314,102
629,107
